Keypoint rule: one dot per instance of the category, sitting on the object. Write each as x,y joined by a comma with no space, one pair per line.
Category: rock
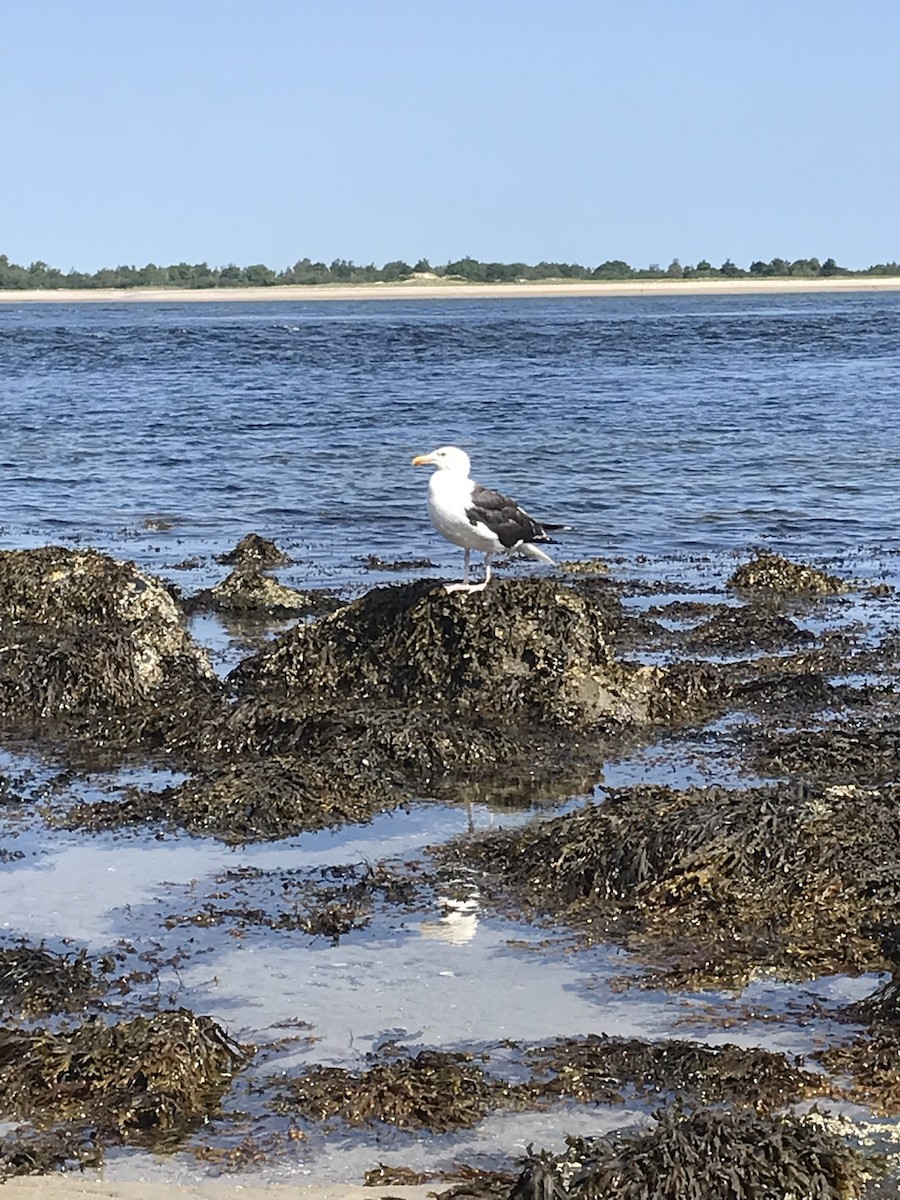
246,591
521,651
255,551
88,639
774,572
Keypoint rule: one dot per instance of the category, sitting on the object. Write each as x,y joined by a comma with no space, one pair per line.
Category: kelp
150,1079
35,981
434,1090
707,1154
708,884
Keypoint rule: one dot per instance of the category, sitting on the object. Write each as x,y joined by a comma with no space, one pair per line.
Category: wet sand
453,291
88,1187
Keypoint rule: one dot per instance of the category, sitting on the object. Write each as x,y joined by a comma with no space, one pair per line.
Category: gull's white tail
530,550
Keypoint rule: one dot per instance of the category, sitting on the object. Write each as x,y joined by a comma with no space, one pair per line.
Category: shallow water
672,433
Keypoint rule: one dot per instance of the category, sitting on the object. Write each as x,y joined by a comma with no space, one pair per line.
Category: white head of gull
477,518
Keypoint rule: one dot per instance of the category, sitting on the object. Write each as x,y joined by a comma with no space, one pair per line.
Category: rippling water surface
652,425
683,430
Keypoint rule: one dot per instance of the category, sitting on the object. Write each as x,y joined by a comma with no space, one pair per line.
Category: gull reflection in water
458,922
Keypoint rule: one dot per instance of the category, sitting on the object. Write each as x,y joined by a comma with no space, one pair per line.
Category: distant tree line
341,270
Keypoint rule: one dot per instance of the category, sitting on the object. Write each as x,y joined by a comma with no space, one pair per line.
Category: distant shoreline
452,290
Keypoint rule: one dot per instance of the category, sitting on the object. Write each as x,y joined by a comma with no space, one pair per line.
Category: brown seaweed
256,800
35,982
27,1151
440,1090
600,1069
775,573
434,1090
148,1079
703,1155
712,882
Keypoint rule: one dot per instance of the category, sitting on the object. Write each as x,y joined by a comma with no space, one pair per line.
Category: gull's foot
465,587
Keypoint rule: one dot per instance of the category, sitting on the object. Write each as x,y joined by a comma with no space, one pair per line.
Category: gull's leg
465,586
479,587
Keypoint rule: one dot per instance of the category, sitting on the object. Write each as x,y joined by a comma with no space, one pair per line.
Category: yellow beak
422,460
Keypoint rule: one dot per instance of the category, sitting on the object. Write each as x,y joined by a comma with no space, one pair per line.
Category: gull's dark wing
503,517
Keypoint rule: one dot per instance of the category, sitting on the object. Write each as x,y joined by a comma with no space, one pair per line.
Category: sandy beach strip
453,291
87,1187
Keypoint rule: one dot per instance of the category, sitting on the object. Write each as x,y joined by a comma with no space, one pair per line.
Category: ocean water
654,426
673,433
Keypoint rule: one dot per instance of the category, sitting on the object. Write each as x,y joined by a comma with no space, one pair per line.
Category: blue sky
580,130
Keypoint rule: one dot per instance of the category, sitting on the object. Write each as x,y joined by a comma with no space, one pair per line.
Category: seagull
476,518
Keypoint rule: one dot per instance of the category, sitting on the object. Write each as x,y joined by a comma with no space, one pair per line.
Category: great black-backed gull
476,518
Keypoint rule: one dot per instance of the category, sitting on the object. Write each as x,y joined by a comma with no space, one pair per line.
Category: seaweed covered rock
843,752
871,1059
247,590
150,1079
86,638
707,1153
255,552
775,573
391,747
522,651
713,883
747,627
433,690
585,566
872,1062
772,691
